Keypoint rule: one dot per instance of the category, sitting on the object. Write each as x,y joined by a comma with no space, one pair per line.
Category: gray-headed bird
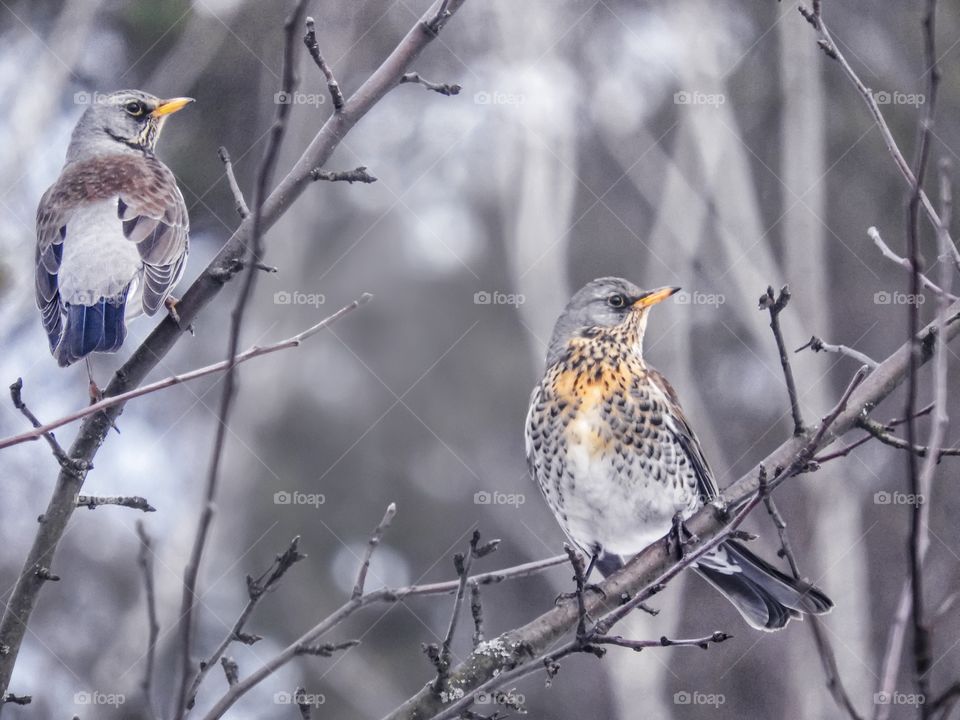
617,461
112,231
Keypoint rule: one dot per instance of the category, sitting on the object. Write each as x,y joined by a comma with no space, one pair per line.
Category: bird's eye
135,108
617,301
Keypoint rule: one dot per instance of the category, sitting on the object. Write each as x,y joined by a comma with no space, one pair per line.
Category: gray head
608,305
129,119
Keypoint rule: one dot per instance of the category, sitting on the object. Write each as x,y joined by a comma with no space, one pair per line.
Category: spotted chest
602,444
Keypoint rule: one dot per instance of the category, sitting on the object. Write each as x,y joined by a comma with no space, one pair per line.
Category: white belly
98,261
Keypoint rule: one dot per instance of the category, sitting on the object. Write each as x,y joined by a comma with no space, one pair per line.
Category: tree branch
775,305
145,561
121,399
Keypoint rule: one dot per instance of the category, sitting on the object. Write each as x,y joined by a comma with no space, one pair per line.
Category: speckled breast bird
617,461
112,231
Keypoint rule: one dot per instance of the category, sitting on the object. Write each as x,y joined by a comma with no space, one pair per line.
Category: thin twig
239,203
638,645
145,561
815,18
922,639
447,89
881,433
358,174
775,305
16,390
905,264
310,40
252,352
372,544
817,345
476,612
255,253
135,502
257,588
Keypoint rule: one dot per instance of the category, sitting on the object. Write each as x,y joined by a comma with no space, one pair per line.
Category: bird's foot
682,535
170,303
563,597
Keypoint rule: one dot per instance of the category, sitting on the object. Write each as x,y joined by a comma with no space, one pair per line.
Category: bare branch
145,561
249,354
818,345
310,40
371,548
815,18
358,174
59,453
447,89
638,645
905,263
239,203
256,589
135,502
775,304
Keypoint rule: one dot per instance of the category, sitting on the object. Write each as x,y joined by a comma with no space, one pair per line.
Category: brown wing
683,434
51,229
154,216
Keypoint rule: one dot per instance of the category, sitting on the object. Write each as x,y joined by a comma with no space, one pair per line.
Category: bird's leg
170,303
96,394
583,586
682,534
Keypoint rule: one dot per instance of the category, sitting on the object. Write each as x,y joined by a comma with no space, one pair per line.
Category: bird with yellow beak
112,231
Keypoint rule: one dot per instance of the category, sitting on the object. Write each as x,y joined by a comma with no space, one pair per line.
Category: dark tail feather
92,328
766,597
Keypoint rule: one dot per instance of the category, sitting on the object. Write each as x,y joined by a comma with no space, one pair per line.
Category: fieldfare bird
112,231
617,461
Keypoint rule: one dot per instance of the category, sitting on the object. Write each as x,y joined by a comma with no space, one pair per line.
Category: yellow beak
653,297
168,107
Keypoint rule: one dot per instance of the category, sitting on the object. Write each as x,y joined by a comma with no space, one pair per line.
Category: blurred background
704,144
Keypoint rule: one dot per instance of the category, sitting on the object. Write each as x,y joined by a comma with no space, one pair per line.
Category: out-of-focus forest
710,145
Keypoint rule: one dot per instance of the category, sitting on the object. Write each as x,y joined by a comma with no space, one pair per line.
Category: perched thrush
112,230
617,461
